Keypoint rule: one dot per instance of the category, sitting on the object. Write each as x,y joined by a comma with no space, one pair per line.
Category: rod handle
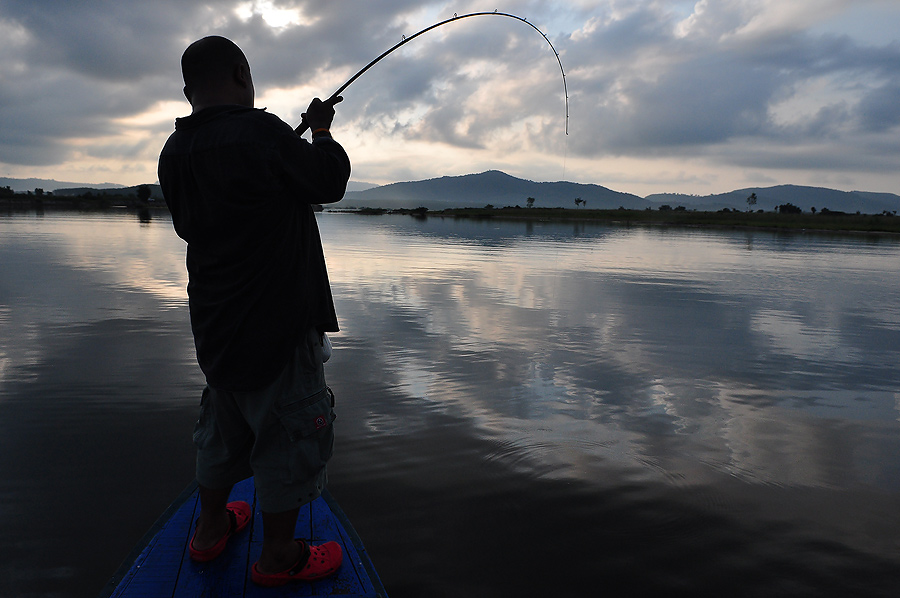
330,102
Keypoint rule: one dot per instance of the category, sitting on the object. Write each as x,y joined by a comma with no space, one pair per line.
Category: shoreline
827,222
822,222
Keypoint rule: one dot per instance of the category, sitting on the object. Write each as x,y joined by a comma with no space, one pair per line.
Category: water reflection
64,272
721,408
566,346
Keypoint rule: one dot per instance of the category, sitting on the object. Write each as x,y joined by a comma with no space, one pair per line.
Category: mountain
359,186
492,187
500,189
23,185
767,198
155,191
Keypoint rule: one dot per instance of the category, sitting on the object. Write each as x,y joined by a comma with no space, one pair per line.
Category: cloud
466,84
101,40
701,82
70,67
880,108
747,84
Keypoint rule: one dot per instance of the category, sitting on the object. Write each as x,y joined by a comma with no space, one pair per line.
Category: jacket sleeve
318,171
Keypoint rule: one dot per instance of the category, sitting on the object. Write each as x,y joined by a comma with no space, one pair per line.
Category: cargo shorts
283,434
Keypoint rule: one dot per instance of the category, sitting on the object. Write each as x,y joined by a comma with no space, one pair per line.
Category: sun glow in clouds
275,17
161,112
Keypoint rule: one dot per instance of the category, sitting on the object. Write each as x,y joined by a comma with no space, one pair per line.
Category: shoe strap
233,519
304,558
232,524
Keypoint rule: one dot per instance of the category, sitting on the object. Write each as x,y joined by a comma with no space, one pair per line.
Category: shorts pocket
307,423
203,428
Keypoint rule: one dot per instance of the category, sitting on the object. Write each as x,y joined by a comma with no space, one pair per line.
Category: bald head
216,72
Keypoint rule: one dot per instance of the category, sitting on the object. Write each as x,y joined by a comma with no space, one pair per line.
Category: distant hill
24,185
359,186
492,187
155,191
500,189
767,198
68,188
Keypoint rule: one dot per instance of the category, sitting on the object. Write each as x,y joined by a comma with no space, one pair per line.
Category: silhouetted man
240,184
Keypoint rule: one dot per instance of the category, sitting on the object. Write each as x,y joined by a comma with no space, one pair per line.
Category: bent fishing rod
336,96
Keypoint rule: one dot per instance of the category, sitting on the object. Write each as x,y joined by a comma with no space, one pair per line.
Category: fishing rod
335,97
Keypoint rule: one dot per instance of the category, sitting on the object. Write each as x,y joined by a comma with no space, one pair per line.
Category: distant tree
529,202
665,207
788,208
39,192
489,206
143,193
827,212
813,209
578,202
751,201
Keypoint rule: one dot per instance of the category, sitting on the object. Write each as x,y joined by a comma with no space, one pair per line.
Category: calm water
525,409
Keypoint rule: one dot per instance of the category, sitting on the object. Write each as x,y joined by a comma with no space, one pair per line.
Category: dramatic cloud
664,96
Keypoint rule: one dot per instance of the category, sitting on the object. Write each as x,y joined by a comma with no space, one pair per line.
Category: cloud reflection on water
651,381
740,352
68,275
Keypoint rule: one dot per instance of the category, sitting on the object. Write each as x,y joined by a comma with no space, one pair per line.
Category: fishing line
334,99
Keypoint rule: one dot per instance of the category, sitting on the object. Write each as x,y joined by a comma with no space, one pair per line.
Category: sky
663,96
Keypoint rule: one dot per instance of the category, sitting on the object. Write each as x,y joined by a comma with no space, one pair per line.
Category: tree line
139,196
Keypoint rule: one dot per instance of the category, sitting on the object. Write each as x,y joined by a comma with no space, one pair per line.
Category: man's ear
242,75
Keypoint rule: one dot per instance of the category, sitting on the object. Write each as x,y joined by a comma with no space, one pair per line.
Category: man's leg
213,522
279,551
294,436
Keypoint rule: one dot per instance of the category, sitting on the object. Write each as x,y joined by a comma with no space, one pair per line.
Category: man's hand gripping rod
319,114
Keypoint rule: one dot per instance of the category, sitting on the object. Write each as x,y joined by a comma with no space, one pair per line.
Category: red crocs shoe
240,515
315,563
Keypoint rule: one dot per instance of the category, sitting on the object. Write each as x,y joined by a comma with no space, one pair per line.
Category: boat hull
161,565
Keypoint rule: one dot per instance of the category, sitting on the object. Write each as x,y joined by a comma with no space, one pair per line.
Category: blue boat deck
163,567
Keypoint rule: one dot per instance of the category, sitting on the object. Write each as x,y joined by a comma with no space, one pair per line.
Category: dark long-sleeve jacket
240,184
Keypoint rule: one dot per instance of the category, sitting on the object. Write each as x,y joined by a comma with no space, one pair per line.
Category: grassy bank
830,221
822,221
